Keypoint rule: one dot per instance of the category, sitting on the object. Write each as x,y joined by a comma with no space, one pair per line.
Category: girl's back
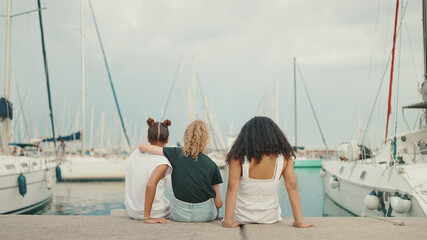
257,200
265,169
192,180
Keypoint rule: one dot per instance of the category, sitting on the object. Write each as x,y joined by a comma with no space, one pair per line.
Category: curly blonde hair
196,137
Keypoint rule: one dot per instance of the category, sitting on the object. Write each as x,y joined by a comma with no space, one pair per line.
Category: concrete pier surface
120,227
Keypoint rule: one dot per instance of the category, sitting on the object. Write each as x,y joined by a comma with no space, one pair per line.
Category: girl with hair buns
258,159
195,177
146,178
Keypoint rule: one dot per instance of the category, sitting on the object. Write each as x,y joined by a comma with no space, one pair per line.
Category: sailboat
26,182
87,167
394,181
311,158
216,147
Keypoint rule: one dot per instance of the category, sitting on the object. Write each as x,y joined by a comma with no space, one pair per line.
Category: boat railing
416,147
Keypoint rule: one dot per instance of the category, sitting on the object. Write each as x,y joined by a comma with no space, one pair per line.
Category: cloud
241,48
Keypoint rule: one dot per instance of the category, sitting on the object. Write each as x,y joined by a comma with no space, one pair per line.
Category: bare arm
234,172
294,199
150,193
147,148
218,199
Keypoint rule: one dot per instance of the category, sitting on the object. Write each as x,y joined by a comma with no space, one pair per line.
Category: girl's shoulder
205,158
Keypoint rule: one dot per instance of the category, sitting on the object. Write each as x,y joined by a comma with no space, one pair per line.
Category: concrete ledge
119,227
107,227
340,228
118,212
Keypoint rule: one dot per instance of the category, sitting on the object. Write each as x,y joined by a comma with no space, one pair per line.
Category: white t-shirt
138,172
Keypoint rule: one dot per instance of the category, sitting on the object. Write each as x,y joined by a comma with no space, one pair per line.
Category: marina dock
121,227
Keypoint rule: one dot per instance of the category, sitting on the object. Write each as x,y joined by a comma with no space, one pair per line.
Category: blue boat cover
6,109
72,137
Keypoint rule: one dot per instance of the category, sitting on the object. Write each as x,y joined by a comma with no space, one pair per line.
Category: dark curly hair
260,136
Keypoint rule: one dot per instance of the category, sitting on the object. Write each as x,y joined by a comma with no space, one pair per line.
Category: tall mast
193,90
189,102
390,89
179,99
109,75
47,74
101,144
295,102
91,127
82,26
64,110
5,122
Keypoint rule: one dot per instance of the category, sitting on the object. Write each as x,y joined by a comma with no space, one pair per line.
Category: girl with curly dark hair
259,157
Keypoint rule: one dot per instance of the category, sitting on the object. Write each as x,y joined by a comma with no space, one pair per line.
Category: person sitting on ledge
259,157
146,178
195,177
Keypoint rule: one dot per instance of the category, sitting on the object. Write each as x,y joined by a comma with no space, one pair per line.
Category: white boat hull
94,168
38,194
352,189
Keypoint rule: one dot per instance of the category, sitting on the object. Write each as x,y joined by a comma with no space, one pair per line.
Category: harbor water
100,197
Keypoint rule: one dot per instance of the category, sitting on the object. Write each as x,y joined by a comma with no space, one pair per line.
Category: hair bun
150,122
167,123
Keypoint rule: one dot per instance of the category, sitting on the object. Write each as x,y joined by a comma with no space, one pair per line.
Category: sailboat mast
82,134
91,127
191,95
295,103
101,145
179,99
193,90
47,75
109,75
390,89
5,122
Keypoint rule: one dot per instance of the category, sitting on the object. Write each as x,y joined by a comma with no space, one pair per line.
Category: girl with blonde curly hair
195,177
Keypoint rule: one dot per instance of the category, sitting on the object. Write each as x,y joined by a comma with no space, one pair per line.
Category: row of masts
5,136
216,140
83,119
82,36
270,106
195,107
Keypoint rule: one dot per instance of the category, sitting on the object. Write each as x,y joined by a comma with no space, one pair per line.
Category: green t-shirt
192,180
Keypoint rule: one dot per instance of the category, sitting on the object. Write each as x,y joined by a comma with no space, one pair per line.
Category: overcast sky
241,48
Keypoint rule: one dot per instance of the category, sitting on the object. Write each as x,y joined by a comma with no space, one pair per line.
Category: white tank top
257,200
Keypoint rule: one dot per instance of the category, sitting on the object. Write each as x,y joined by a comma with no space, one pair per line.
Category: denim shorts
194,212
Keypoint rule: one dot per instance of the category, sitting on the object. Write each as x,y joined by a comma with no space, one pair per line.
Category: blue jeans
194,212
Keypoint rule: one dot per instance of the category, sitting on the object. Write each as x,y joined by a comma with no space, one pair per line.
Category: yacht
392,182
26,179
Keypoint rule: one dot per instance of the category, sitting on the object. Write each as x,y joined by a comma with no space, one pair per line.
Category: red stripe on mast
391,73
